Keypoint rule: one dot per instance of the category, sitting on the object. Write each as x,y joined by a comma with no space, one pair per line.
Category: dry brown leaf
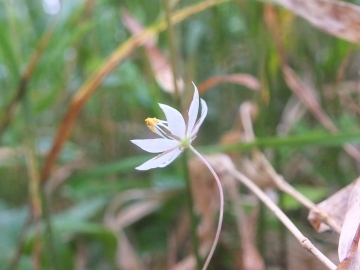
136,212
204,188
205,193
81,255
160,65
294,110
350,227
189,263
144,202
206,200
306,95
248,113
338,18
335,206
243,79
254,169
251,258
126,256
135,26
139,203
351,262
179,238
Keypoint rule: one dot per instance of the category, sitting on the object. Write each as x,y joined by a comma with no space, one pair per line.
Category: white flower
175,137
175,134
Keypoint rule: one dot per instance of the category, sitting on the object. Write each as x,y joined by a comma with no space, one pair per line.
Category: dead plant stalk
305,242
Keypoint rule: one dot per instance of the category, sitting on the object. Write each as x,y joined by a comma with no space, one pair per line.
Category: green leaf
314,194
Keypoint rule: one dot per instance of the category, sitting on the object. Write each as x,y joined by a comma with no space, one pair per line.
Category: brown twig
287,188
305,242
246,118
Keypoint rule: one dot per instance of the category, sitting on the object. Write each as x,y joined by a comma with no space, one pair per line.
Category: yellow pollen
151,122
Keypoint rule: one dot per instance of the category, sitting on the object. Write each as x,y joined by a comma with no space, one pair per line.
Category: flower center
185,142
151,122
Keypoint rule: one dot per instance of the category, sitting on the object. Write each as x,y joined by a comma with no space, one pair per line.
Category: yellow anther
151,122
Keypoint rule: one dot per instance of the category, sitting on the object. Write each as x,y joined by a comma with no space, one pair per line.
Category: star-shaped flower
176,135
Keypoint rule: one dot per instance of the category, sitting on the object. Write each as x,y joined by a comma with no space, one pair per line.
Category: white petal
175,120
176,153
193,110
160,161
204,110
156,145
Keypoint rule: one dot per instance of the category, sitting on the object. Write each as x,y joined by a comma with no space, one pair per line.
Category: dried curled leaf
352,258
127,258
243,79
159,64
334,206
338,18
350,226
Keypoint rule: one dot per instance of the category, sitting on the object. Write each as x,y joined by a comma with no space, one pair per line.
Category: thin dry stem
245,114
287,188
221,206
283,218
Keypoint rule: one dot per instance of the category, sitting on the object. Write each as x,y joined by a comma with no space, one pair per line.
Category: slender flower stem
190,203
221,206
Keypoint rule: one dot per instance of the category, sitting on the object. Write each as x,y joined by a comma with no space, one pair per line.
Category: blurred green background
73,218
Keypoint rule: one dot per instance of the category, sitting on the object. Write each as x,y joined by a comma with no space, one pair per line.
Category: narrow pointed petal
156,145
176,153
193,110
204,110
160,161
175,120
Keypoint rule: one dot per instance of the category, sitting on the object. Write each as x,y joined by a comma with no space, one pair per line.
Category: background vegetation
76,85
